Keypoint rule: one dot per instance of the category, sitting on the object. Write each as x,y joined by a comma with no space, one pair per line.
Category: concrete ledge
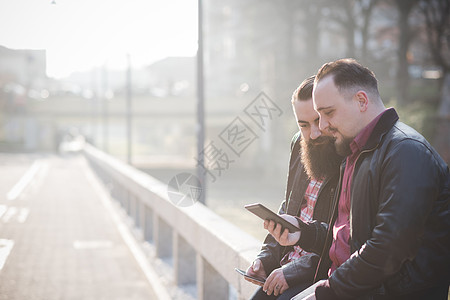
218,245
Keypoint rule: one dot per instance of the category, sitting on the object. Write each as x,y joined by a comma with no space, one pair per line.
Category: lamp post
200,108
129,124
105,108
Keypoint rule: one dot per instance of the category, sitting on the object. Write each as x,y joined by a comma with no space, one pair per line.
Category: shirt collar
363,136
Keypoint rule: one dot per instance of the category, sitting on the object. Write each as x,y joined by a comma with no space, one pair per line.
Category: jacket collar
386,122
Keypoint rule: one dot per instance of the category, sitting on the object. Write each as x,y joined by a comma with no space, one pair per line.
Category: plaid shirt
306,215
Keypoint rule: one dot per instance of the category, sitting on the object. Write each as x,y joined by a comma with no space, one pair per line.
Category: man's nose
323,124
315,132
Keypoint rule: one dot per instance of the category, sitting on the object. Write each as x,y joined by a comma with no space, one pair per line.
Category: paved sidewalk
57,240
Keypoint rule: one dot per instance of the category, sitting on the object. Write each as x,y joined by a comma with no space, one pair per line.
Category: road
58,239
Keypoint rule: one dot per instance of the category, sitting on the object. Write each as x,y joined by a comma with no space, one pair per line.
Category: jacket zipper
338,190
336,203
351,198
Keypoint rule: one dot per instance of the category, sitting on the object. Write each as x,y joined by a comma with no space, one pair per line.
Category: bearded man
312,178
390,230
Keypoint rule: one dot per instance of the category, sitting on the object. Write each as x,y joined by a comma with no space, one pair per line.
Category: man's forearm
270,254
313,236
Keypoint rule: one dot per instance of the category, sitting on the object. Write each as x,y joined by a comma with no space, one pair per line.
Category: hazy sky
80,34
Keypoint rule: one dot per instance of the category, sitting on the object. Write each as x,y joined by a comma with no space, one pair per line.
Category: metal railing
202,248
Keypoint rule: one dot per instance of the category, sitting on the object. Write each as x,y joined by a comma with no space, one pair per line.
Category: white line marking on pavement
24,181
128,238
9,214
40,176
5,249
3,208
96,244
23,215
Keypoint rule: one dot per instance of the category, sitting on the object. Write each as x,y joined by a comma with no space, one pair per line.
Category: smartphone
266,214
257,280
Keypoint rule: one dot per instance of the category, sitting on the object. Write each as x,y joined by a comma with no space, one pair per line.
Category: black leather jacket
303,269
399,217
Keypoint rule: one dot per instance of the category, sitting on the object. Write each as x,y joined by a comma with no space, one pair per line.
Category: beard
343,147
319,157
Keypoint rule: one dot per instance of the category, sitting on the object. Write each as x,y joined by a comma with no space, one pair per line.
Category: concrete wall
202,247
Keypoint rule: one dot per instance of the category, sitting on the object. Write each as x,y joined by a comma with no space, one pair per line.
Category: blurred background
124,76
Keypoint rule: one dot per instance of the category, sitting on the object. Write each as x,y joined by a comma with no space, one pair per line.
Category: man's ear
362,99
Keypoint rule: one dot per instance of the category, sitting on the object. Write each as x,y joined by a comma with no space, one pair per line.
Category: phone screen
259,281
266,214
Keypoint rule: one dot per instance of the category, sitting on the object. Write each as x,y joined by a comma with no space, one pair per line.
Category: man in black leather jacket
393,196
312,156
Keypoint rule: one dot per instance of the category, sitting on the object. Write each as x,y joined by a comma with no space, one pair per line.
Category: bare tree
366,13
341,21
404,8
352,18
437,19
312,19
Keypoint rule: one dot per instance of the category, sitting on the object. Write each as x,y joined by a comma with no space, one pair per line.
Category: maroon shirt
340,248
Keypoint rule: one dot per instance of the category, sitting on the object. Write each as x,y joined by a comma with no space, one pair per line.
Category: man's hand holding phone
284,238
276,283
256,270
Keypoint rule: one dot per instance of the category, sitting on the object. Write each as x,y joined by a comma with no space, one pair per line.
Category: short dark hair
348,74
304,90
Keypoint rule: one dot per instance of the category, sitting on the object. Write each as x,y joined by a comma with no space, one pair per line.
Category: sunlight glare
82,34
